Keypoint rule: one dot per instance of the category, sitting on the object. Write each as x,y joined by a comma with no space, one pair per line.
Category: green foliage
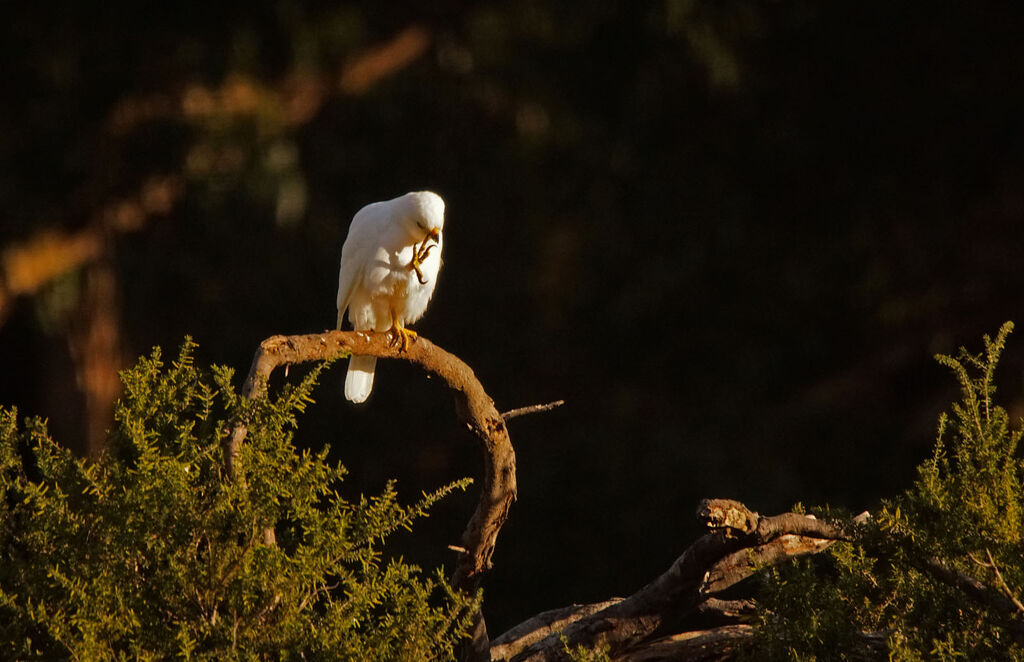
152,552
875,597
583,654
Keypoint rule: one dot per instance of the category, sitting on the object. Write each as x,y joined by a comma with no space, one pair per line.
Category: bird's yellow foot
419,254
402,336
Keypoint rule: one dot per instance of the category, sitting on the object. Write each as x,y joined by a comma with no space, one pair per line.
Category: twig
1002,582
975,590
532,409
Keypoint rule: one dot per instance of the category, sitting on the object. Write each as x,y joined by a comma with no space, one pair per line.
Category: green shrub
880,596
153,552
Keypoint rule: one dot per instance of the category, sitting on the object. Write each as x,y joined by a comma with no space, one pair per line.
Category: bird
389,266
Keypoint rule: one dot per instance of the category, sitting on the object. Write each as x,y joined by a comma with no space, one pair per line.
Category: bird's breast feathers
392,268
390,277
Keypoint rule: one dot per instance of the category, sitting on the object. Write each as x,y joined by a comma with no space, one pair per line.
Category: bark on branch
683,614
663,620
473,407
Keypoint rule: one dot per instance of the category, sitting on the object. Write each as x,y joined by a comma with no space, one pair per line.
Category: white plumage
389,266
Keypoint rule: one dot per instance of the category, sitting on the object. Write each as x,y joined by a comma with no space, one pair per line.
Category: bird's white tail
359,380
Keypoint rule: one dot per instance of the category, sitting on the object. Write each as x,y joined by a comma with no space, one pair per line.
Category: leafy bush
153,552
901,588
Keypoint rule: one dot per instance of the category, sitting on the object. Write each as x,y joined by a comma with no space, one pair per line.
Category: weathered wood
646,625
540,626
695,646
473,407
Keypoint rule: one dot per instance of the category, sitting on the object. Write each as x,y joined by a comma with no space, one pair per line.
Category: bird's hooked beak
433,234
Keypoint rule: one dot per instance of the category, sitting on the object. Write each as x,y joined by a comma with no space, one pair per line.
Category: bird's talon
402,336
419,254
425,250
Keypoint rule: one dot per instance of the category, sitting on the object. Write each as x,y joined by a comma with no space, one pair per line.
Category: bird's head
424,215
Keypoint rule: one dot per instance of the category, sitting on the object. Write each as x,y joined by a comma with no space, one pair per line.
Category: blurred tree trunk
94,338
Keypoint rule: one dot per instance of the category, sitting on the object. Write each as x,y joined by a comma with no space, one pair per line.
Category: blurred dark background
731,235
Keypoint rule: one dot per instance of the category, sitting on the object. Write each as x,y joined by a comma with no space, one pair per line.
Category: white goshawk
389,266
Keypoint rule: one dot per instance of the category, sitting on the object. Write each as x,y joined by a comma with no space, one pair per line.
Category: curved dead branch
472,406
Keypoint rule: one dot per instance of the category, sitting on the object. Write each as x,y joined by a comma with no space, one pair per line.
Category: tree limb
540,626
696,646
472,406
645,626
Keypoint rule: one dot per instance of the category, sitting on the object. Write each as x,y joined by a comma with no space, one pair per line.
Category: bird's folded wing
349,278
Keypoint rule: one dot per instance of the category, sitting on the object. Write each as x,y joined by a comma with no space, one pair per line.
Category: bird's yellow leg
400,335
